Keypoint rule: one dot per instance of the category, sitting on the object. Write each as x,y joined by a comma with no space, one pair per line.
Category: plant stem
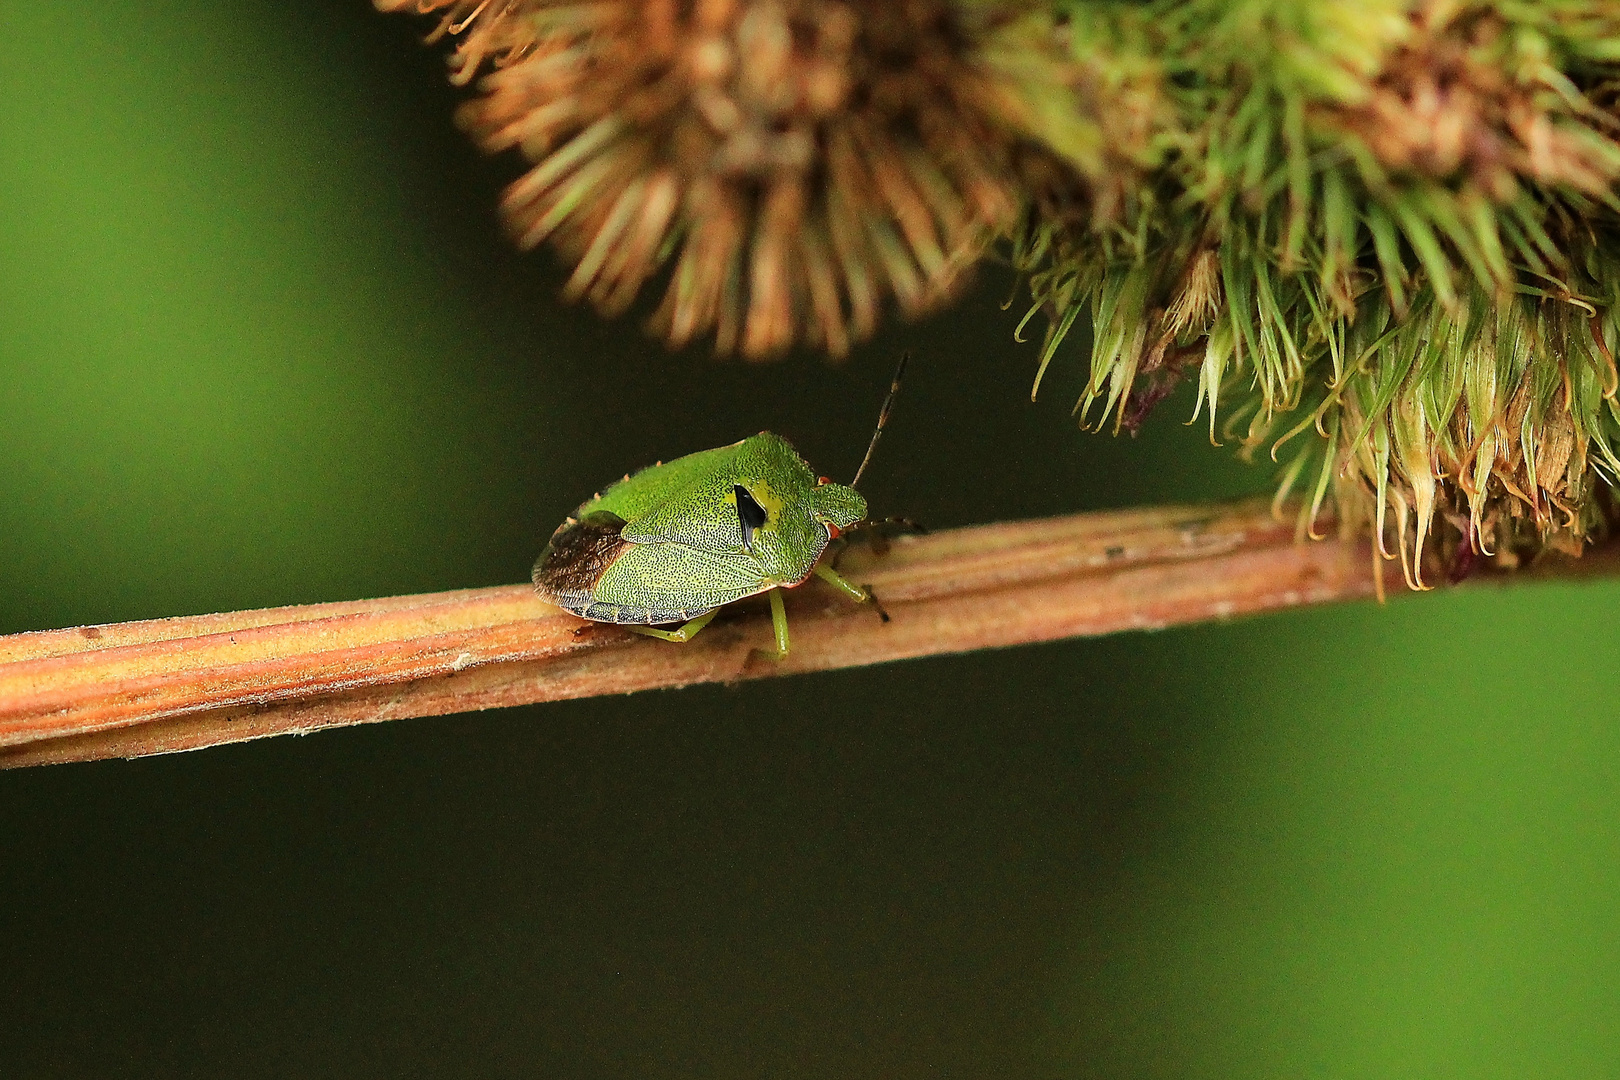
133,689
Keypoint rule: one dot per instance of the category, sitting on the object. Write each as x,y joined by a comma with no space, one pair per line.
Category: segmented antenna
883,416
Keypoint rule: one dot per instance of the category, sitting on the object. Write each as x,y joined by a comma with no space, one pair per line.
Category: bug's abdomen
597,611
672,582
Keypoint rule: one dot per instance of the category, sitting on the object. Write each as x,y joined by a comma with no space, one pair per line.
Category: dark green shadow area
262,343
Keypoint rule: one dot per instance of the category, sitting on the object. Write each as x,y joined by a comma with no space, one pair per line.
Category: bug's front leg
875,535
857,593
685,632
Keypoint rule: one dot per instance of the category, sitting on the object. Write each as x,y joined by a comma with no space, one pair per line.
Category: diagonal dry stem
133,689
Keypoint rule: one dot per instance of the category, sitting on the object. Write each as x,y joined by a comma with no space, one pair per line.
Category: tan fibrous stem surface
134,689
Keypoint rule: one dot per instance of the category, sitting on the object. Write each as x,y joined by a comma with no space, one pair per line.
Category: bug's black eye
750,515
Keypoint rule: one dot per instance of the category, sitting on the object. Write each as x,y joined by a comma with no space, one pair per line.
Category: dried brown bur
796,162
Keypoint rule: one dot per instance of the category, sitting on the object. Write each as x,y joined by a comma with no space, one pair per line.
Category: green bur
1379,237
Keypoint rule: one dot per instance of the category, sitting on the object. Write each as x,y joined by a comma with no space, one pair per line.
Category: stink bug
677,541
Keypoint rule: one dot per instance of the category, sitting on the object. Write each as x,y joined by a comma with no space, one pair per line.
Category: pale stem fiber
133,689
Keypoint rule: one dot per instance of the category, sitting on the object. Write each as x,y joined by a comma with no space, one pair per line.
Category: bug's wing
652,583
577,555
590,569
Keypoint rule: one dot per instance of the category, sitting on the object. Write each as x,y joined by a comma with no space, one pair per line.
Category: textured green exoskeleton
675,542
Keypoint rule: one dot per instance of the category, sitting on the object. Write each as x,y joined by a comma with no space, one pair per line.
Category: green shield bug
677,541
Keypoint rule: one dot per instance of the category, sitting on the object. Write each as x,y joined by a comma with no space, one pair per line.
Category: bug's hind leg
685,632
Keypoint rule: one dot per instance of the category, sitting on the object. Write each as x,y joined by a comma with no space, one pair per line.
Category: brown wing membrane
575,558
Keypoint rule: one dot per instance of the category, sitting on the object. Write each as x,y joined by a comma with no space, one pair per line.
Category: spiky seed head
795,163
1385,250
1465,95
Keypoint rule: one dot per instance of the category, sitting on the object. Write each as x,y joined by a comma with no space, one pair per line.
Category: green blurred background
261,342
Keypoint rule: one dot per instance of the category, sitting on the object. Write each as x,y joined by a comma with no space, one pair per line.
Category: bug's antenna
883,416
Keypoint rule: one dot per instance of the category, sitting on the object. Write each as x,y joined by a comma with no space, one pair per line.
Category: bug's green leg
686,632
778,624
859,594
841,583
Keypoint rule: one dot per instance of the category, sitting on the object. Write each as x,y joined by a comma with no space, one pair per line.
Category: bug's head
785,528
836,506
